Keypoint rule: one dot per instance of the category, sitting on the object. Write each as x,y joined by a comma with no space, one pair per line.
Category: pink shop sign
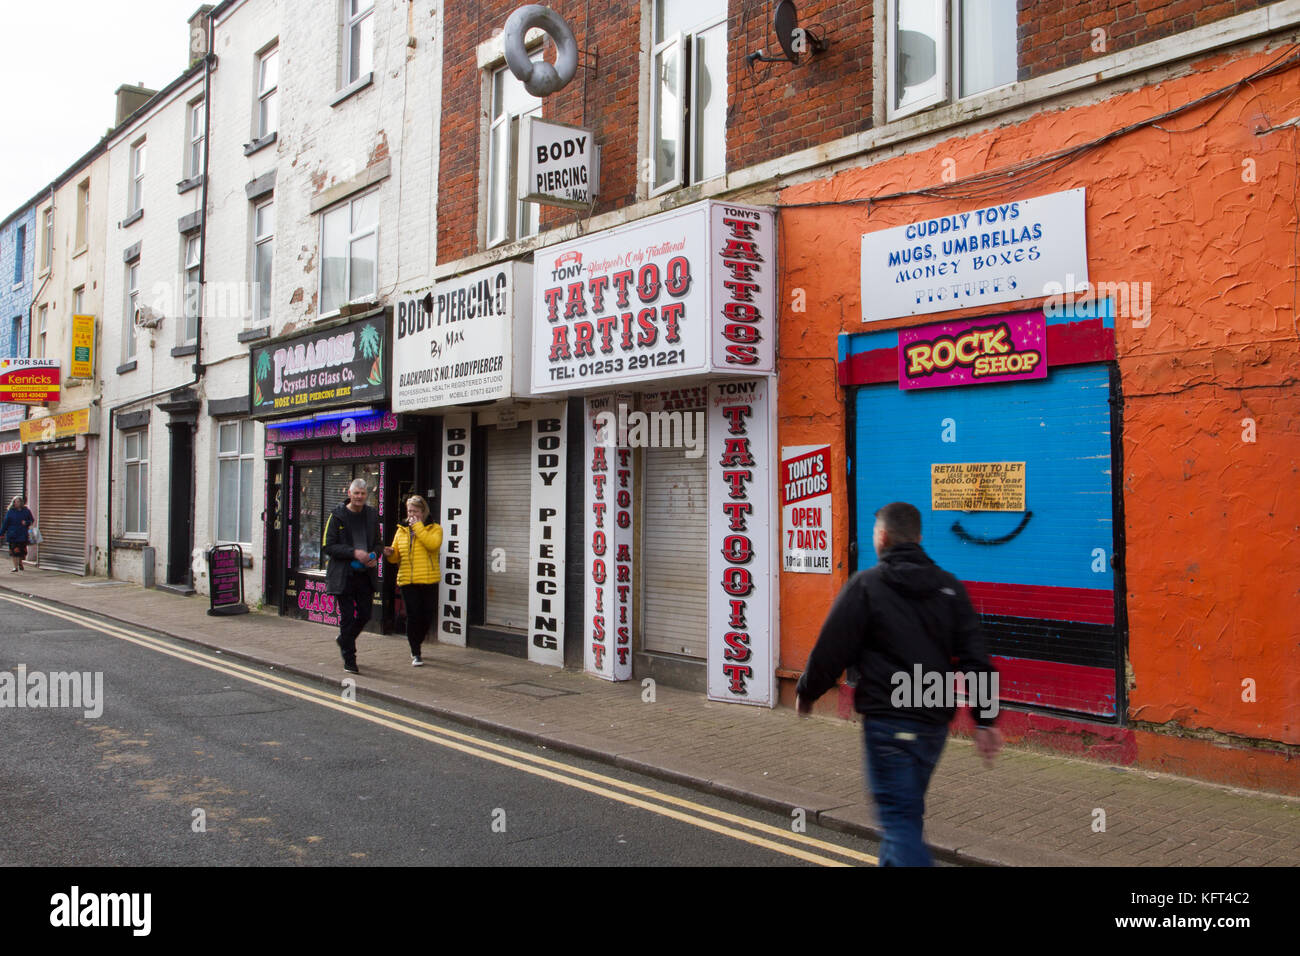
999,348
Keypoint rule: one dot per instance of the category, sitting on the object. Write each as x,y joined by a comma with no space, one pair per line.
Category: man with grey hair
351,541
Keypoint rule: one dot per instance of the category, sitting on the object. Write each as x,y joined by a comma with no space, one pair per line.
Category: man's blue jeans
901,756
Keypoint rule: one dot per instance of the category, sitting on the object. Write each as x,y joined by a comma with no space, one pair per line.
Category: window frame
47,238
132,290
262,127
353,237
83,214
353,21
20,252
191,294
948,61
260,241
516,212
195,139
139,159
244,495
141,464
685,119
42,324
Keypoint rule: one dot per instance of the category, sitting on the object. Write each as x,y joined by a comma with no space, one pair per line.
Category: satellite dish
786,22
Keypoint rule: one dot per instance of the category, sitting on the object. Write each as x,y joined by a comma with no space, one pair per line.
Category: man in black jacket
351,542
903,623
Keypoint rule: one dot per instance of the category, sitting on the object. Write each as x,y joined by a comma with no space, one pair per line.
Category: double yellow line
787,842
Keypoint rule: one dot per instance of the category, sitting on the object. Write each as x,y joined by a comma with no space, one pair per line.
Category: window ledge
185,185
356,86
181,350
16,287
252,335
80,250
126,367
265,141
131,544
132,219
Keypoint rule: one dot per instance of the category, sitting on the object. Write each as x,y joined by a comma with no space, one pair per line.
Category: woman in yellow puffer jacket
415,552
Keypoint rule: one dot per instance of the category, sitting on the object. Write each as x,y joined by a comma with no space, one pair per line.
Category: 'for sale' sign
31,381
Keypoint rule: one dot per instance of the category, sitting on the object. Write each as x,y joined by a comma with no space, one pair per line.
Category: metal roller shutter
61,479
12,478
674,549
506,501
1041,579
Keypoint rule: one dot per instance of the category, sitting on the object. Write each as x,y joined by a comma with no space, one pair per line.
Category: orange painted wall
1212,523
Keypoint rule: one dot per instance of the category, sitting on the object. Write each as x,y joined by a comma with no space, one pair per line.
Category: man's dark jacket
904,611
337,544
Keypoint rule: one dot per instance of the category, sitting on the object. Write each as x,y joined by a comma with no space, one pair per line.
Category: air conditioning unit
147,318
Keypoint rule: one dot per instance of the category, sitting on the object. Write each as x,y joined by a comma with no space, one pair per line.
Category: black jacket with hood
889,618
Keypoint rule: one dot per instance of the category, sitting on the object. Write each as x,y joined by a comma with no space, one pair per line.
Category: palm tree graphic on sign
263,371
371,347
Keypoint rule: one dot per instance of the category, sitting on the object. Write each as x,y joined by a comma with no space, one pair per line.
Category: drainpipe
209,60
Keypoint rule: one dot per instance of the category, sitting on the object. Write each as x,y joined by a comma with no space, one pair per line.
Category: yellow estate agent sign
978,486
83,347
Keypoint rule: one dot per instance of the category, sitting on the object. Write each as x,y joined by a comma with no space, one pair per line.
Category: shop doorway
180,508
274,558
1043,579
399,479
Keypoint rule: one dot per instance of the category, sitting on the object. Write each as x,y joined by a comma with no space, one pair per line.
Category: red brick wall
1058,33
610,92
774,110
780,108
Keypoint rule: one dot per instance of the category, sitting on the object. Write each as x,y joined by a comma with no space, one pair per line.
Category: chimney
131,98
198,46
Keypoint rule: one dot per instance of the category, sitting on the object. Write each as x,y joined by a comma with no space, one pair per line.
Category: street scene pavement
1028,809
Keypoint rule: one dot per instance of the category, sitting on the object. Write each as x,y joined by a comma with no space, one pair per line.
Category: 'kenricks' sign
31,381
326,368
679,294
456,342
1001,253
562,166
1003,348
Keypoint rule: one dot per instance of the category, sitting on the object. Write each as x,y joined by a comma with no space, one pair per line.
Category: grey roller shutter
13,472
674,549
507,492
61,479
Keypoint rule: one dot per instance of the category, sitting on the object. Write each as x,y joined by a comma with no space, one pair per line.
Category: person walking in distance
415,552
18,519
350,541
899,623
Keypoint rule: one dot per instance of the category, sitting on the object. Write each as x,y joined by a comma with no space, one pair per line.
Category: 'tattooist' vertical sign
742,591
608,479
453,606
546,537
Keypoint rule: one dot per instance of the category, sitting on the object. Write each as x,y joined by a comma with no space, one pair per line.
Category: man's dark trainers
351,669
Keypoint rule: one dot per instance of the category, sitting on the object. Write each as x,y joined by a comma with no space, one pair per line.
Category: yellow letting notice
83,347
978,486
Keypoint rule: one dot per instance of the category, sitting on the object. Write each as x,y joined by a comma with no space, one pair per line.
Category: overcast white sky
60,61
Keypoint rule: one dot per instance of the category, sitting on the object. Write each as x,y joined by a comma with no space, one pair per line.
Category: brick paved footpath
1031,808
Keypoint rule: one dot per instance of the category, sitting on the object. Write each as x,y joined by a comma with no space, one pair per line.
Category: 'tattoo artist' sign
682,293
